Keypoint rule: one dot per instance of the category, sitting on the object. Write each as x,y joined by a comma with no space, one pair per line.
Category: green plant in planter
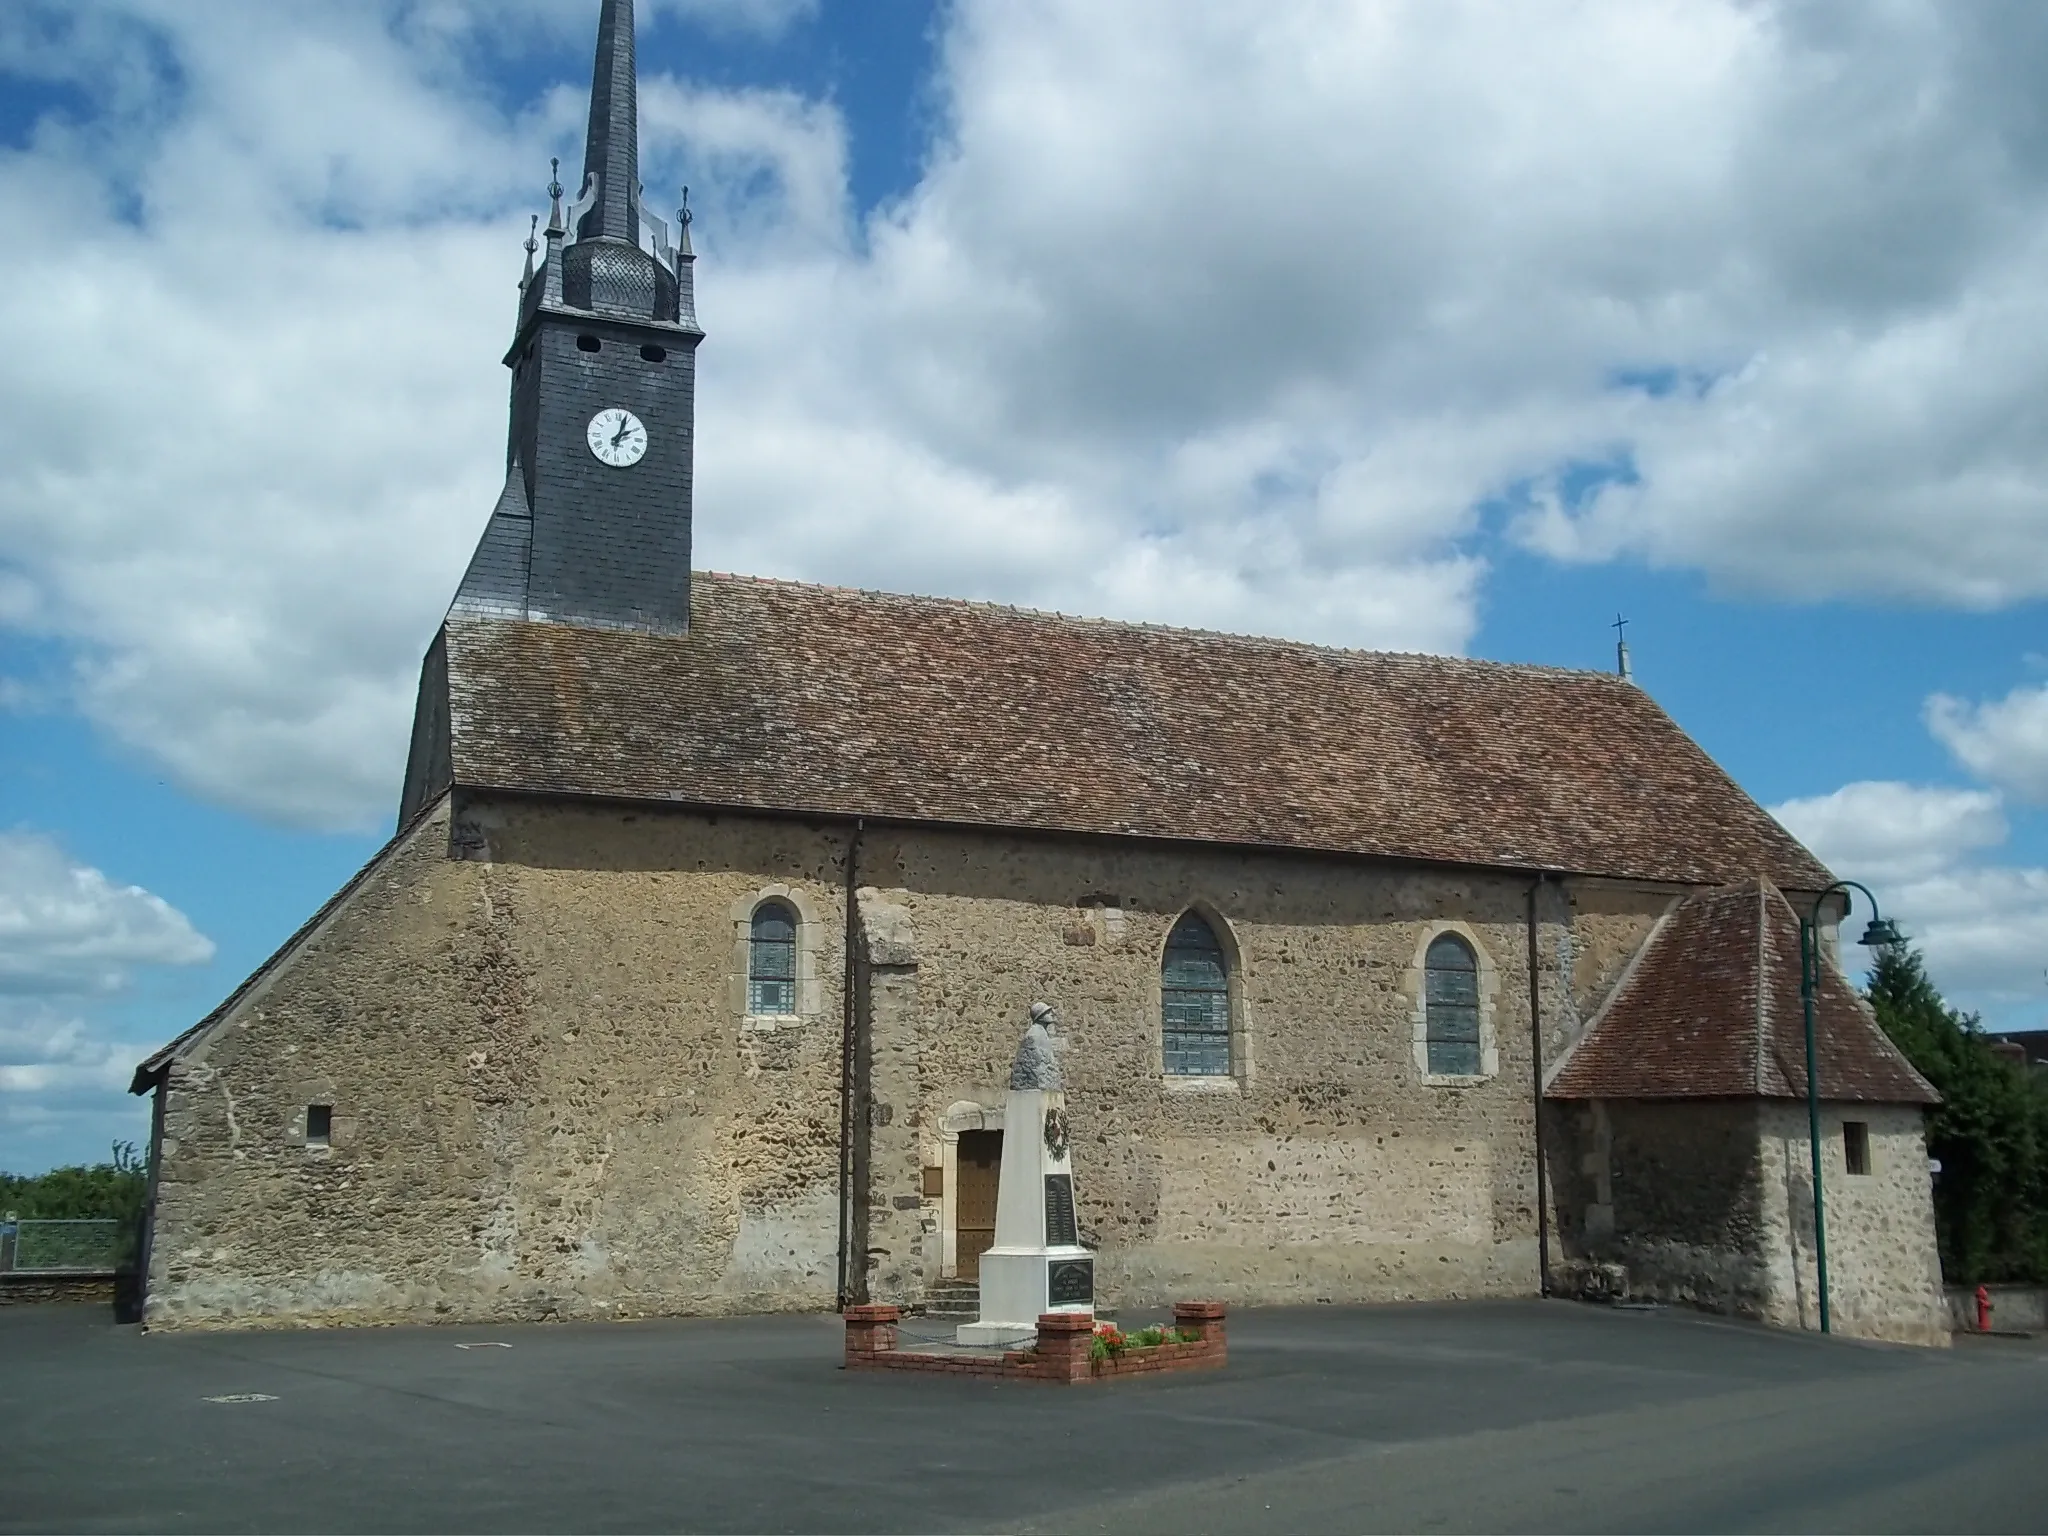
1109,1341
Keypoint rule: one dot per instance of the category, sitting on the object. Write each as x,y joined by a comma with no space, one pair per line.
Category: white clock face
617,437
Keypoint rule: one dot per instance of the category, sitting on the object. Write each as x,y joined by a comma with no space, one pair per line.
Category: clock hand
619,436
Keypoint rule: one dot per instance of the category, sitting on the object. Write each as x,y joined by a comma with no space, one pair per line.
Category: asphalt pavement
1443,1417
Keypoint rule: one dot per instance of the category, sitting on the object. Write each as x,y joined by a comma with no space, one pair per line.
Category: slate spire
607,335
611,149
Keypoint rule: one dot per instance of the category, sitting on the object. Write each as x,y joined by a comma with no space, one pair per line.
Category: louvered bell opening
611,278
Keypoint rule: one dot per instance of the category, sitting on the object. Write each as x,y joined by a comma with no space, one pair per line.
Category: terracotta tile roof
1711,1010
821,699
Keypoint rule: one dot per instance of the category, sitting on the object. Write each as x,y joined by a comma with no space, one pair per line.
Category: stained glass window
771,960
1195,992
1452,1007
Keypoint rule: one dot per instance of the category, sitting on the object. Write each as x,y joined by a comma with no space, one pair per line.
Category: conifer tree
1989,1133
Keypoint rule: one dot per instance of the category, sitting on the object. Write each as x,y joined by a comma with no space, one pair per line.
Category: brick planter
1061,1353
870,1331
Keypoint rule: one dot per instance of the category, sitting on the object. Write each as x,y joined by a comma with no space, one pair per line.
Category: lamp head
1882,933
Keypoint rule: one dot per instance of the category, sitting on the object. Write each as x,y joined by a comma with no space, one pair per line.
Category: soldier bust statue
1037,1066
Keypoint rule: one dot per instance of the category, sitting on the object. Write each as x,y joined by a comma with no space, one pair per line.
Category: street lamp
1881,933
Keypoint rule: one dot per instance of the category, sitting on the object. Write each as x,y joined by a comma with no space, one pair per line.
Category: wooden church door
980,1163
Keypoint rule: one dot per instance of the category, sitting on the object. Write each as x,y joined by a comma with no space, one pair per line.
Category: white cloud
66,929
1983,927
2004,741
71,940
1894,833
1249,314
226,421
513,23
763,18
46,1052
63,1082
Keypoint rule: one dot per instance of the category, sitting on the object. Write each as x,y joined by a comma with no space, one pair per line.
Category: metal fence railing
43,1247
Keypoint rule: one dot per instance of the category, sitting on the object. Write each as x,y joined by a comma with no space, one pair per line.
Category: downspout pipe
846,1045
1536,1094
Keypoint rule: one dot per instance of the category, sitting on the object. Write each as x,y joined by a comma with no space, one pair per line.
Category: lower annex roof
1712,1008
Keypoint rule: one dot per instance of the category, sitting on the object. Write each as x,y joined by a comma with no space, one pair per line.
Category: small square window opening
319,1125
1856,1145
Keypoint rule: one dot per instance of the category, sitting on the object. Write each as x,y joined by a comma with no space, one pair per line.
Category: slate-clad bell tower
593,526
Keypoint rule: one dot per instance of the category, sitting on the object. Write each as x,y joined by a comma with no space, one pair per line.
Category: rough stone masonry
548,1099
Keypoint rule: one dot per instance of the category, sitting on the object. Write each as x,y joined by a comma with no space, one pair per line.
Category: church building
690,980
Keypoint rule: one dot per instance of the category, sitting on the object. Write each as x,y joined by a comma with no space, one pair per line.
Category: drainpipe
1536,1099
846,1060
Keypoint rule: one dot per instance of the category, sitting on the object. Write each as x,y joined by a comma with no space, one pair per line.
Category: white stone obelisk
1037,1264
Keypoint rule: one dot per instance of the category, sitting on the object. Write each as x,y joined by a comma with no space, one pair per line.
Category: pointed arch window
771,960
1195,1001
1451,972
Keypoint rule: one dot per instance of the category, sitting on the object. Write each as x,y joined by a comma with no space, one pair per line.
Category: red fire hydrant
1983,1309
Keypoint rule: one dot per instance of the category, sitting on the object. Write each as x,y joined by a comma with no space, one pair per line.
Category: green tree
114,1189
1990,1131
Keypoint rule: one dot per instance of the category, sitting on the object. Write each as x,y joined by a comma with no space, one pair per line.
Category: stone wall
1711,1203
1671,1192
40,1290
1884,1273
547,1100
1609,922
1326,1167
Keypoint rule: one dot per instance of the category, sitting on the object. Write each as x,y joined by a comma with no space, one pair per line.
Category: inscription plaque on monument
1070,1280
1060,1230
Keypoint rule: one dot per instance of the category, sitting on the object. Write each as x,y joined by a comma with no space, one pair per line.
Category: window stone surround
810,999
1415,987
1242,1071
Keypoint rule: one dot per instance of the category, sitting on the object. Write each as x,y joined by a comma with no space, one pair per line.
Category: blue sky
1433,326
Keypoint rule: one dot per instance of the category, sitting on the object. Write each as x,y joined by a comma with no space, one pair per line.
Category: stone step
953,1298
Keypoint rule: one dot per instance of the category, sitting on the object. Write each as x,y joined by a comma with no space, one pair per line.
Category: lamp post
1878,934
